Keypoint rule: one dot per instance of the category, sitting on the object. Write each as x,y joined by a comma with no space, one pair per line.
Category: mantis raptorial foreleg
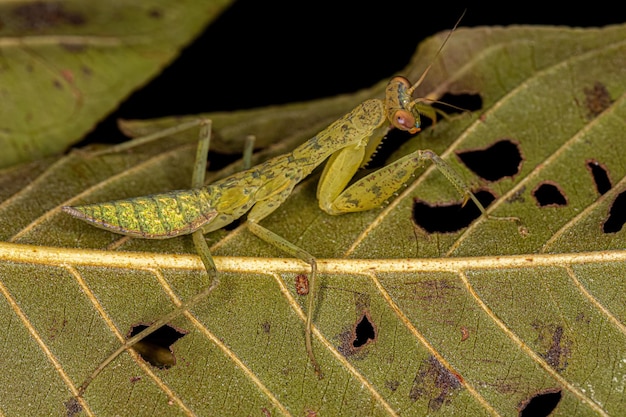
375,189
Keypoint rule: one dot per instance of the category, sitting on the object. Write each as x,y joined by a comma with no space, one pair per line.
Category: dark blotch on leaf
541,404
549,194
42,15
435,382
600,176
72,407
617,215
495,162
155,13
597,99
449,218
156,348
559,350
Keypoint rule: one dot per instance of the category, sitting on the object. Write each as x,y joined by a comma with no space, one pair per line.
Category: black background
271,52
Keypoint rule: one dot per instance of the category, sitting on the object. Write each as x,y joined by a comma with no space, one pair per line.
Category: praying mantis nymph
347,144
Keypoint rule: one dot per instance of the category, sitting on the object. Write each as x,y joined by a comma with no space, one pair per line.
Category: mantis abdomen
158,216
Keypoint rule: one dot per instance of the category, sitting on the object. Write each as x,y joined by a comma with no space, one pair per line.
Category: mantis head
401,110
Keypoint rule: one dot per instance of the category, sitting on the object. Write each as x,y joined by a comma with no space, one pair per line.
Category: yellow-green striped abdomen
158,216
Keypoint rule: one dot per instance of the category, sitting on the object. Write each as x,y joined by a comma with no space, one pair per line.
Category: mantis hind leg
297,252
279,193
202,248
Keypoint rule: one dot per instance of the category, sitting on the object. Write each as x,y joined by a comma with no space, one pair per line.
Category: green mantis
347,144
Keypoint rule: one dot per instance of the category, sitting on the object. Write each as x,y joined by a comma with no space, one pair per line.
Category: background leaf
475,322
66,64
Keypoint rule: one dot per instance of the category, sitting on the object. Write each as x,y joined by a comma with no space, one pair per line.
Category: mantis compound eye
404,120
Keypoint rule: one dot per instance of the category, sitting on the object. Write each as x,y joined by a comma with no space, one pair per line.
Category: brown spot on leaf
435,382
155,13
392,385
68,75
73,47
266,327
302,284
518,196
156,348
597,99
502,159
464,334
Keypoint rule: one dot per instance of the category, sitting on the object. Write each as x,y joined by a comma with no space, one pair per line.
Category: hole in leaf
600,176
451,217
549,194
617,215
156,348
541,404
363,332
495,162
459,103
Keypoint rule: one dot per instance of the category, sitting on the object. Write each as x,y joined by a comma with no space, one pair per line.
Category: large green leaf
66,64
474,322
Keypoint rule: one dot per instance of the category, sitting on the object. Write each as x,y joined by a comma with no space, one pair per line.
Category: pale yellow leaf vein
225,350
328,346
111,325
527,350
433,351
38,339
48,255
594,301
69,40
